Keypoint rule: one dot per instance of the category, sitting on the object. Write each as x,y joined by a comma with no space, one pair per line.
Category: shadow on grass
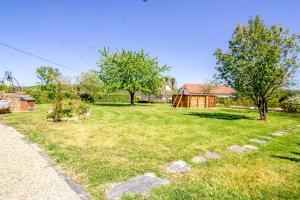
288,158
296,153
219,115
119,104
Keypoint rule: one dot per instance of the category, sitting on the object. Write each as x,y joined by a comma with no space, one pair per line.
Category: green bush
46,94
245,102
77,107
114,98
40,95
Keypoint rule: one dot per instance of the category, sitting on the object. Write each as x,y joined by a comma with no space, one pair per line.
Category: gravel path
26,173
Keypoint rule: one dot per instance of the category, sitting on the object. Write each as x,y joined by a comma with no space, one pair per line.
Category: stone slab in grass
279,133
250,147
237,148
258,141
212,155
135,185
179,166
198,159
266,137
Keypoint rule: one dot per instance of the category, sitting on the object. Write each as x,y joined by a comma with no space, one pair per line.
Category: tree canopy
131,71
47,74
260,62
88,85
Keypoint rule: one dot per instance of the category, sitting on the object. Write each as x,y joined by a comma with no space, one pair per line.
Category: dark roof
27,98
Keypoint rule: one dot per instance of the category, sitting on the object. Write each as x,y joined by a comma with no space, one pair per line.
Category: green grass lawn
120,141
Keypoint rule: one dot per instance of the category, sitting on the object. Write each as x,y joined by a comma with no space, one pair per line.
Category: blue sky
181,33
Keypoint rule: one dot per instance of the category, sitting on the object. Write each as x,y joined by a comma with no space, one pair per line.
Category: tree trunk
131,98
262,108
149,98
263,115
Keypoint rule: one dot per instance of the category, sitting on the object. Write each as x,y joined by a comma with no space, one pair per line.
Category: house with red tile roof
219,90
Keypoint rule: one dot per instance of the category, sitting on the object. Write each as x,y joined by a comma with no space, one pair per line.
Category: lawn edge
83,195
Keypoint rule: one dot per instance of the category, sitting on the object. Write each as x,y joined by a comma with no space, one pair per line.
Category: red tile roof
198,88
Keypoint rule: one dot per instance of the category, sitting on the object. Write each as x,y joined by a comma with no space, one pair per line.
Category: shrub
40,95
87,97
65,104
58,111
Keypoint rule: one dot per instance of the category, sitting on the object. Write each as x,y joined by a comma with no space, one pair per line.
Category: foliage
114,97
6,88
46,91
47,94
42,94
65,103
171,82
58,111
47,74
78,107
130,71
88,86
261,61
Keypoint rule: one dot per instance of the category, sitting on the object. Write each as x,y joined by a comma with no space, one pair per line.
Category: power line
38,57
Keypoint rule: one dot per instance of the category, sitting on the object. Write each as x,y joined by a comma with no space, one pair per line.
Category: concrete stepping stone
135,185
266,137
198,159
258,141
179,166
279,133
212,155
237,148
250,147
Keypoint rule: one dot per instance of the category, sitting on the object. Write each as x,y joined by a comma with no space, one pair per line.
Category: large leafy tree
260,62
131,71
47,74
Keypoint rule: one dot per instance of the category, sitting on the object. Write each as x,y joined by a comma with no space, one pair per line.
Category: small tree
208,87
47,74
57,112
88,85
65,103
130,71
261,61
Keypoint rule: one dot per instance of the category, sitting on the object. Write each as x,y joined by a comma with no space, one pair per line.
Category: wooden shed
194,101
200,95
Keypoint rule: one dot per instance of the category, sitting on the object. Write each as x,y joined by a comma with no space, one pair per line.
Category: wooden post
197,101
